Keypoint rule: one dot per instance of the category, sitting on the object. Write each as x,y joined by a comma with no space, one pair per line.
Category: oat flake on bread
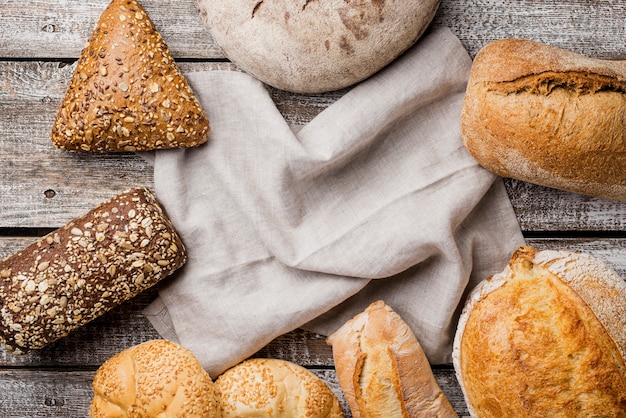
312,46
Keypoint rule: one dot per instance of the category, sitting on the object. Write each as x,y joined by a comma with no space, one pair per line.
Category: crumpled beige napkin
375,198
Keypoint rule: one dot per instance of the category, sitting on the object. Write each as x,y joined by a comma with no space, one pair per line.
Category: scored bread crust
157,378
382,368
274,388
127,93
545,337
548,116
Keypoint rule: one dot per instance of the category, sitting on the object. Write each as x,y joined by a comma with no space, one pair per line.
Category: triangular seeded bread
127,93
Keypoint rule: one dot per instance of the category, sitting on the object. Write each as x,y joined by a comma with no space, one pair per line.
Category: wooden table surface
42,188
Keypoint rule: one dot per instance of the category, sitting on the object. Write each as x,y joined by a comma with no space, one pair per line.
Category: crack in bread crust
545,83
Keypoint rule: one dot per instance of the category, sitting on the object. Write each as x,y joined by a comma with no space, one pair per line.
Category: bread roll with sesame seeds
157,378
274,388
80,271
127,93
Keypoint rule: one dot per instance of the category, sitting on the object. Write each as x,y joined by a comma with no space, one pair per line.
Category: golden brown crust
274,388
151,379
528,344
78,272
548,116
127,93
382,368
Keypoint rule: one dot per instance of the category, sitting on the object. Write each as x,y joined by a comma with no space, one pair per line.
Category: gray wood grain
125,325
591,27
59,393
41,186
59,29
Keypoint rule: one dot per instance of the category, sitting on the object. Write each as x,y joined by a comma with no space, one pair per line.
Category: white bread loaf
273,388
548,116
154,379
315,46
545,338
127,93
383,370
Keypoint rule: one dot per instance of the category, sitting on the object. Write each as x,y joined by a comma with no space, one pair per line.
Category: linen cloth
375,198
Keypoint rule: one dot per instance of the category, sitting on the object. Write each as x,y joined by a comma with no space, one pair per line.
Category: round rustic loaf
315,46
548,116
274,388
545,338
157,378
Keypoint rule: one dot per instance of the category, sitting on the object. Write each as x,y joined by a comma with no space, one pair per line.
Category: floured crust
382,368
274,388
544,338
153,379
548,116
127,93
310,46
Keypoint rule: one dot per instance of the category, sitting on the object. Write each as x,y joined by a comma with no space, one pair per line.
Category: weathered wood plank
545,209
594,27
45,393
43,187
63,393
44,29
58,393
591,27
124,326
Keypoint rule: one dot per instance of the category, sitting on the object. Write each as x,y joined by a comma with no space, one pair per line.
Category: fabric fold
375,198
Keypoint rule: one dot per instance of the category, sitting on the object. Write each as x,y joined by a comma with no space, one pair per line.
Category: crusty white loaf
127,93
383,370
80,271
548,116
545,338
157,378
273,388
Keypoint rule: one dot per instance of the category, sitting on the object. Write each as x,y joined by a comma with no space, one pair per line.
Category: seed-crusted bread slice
127,93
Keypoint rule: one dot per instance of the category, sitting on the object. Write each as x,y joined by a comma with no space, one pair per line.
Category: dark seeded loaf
548,116
80,271
127,93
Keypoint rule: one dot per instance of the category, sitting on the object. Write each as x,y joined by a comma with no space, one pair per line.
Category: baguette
383,370
80,271
548,116
127,93
545,338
